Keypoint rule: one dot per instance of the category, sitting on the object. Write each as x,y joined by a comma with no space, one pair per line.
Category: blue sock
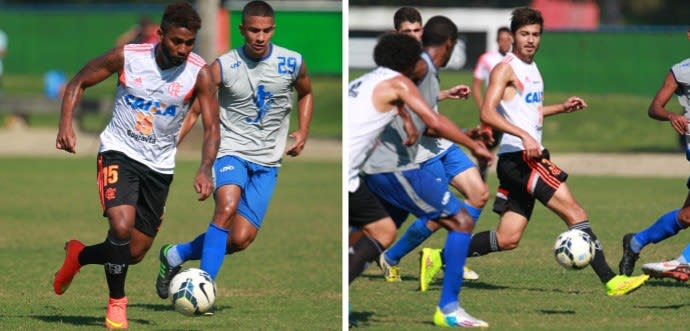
474,212
413,237
455,254
187,251
685,255
666,226
214,249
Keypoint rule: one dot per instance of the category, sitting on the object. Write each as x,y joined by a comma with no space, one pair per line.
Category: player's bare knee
684,216
478,199
506,243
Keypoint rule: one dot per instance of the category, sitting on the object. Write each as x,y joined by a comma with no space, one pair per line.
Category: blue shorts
415,191
450,163
256,181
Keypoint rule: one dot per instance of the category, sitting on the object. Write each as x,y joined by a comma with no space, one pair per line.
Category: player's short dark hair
397,51
257,8
406,14
502,29
526,16
181,14
437,30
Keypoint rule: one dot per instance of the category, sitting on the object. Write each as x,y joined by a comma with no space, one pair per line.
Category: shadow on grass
82,320
360,318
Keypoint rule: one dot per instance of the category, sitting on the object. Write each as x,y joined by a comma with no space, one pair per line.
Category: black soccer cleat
627,264
165,274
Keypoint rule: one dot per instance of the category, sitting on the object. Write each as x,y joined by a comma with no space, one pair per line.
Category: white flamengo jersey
150,106
255,103
364,122
486,62
525,109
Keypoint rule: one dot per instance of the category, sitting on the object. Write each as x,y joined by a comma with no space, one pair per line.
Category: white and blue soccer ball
574,249
193,292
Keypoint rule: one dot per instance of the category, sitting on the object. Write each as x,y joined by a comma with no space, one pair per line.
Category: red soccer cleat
71,266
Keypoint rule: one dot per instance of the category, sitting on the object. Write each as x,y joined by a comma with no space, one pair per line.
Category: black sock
365,249
93,254
599,264
483,243
117,259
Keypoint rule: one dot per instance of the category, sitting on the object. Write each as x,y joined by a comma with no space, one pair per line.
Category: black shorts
364,206
521,181
124,181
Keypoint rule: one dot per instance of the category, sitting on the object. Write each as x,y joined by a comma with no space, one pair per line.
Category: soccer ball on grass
193,292
574,249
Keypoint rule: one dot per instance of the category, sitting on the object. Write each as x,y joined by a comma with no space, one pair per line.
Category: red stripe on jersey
196,60
139,47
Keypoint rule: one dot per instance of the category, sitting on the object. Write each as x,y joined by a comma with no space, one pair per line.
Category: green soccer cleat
430,264
166,273
391,273
457,319
622,285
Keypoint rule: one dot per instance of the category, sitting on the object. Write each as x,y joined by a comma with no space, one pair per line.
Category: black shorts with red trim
523,180
364,206
124,181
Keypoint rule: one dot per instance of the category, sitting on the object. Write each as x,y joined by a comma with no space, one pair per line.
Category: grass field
525,289
289,279
611,123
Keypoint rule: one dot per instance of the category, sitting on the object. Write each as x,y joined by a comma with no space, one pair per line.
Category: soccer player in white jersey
255,83
513,104
136,159
677,81
480,80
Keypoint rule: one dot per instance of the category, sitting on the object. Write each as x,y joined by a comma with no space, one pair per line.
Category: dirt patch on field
32,142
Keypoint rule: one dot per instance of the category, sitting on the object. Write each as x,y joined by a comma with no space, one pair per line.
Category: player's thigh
383,230
471,185
564,204
153,195
257,194
230,175
510,229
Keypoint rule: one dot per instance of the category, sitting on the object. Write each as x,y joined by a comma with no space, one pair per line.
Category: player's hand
458,92
679,123
296,148
574,104
203,184
481,152
532,148
66,140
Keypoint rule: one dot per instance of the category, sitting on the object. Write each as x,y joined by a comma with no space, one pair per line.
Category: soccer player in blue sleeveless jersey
255,84
677,81
137,154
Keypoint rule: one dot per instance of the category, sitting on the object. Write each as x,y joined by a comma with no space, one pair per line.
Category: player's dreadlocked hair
181,14
257,8
526,16
437,30
397,51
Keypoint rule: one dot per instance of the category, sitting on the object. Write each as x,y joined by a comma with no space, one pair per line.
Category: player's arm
456,92
205,91
568,106
501,78
305,107
437,124
94,72
657,108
